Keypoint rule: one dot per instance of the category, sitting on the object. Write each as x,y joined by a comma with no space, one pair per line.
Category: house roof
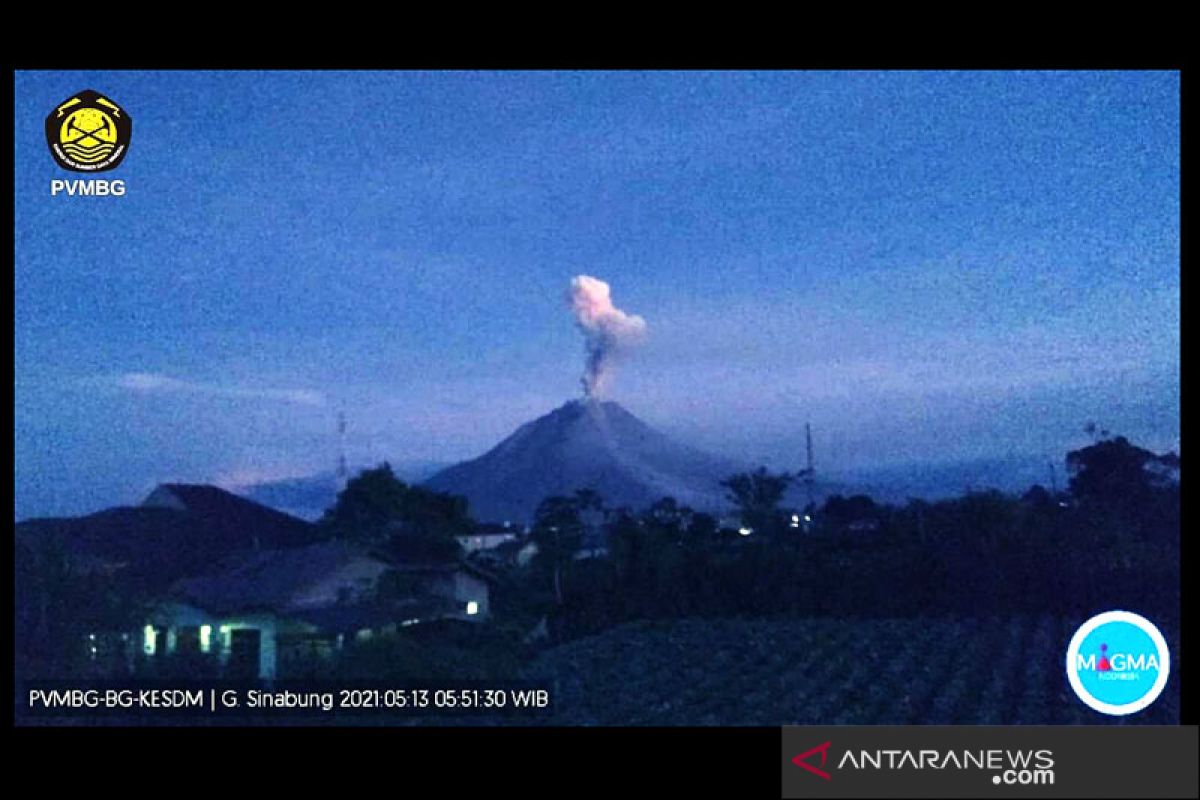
154,545
226,510
444,569
265,579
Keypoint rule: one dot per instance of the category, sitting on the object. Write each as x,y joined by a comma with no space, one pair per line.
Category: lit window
472,608
149,639
205,638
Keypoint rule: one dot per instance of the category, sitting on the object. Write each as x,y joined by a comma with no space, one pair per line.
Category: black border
740,762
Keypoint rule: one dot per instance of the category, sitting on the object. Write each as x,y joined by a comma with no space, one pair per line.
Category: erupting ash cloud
607,330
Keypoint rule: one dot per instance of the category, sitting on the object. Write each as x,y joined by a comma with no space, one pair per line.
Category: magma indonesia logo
1118,663
88,132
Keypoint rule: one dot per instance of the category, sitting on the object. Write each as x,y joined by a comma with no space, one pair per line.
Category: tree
626,547
431,521
588,500
1116,475
63,603
558,532
411,522
702,531
757,495
841,511
367,508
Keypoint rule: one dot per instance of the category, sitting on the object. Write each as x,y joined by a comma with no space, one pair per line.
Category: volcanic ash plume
607,330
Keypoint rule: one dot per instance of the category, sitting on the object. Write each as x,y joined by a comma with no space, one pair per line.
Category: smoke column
607,330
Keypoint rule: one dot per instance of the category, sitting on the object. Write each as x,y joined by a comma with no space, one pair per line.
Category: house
228,512
461,587
178,530
254,611
271,614
487,536
526,554
241,589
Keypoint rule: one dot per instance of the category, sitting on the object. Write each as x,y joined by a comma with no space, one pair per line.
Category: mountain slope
585,444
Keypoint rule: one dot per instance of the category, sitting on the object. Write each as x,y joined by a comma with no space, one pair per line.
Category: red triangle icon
800,761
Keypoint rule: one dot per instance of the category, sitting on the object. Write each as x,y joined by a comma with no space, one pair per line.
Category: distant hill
939,480
585,444
308,497
602,445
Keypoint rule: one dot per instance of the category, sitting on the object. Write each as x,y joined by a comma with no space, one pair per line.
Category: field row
827,671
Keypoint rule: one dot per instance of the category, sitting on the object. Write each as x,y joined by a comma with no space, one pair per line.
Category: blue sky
929,266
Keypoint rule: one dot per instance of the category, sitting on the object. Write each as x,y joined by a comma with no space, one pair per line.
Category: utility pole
343,473
809,473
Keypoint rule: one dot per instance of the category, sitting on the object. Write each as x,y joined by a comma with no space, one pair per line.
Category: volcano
585,444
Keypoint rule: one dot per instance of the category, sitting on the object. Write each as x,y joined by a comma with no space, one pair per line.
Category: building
460,590
488,536
242,591
280,613
179,530
254,606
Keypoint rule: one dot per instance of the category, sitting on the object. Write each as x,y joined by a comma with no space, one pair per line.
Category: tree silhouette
757,496
1117,475
411,522
558,532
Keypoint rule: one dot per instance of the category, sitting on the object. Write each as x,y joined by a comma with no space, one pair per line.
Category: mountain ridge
582,444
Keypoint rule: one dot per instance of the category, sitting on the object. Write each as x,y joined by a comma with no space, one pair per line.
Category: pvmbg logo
88,132
1118,662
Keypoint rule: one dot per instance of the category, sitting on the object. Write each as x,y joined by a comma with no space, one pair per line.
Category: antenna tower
342,472
808,472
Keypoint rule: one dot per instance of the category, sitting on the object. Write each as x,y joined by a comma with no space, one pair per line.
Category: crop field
828,671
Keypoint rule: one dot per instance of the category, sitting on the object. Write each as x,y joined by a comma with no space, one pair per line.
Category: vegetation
64,605
1112,541
757,496
445,650
411,522
978,670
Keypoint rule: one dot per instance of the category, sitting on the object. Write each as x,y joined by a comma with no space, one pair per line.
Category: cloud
151,383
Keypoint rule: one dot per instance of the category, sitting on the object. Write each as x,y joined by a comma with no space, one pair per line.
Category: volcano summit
585,444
